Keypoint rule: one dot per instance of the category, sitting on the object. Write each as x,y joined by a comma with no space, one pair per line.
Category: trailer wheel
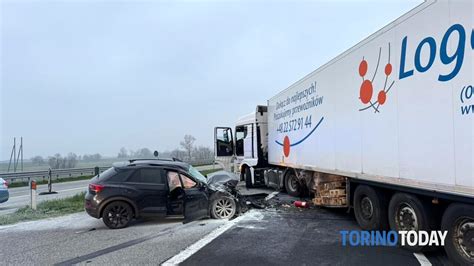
292,184
458,220
408,213
248,177
370,208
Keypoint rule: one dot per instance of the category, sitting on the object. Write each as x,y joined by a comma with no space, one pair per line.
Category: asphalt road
277,236
292,236
20,197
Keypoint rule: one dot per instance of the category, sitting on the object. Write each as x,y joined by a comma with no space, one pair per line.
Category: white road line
422,259
189,251
273,194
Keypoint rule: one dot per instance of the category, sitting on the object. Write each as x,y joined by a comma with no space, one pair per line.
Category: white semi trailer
385,128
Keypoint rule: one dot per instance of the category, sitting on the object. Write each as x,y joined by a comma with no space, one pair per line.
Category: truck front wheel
458,220
292,184
370,208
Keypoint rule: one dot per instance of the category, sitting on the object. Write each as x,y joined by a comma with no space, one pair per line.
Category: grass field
46,209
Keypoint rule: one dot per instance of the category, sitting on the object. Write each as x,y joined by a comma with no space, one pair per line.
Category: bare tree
202,153
91,157
178,154
123,153
55,161
188,144
37,160
71,160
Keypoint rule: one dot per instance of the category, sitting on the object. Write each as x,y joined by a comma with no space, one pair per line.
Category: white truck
385,128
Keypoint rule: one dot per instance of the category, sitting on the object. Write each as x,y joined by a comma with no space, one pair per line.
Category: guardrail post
96,170
50,181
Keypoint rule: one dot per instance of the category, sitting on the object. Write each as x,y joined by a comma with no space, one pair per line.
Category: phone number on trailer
294,124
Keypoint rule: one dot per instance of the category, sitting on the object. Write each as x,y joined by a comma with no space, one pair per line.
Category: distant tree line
187,152
70,160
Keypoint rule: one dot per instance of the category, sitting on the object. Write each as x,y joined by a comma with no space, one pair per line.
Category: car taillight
5,184
96,188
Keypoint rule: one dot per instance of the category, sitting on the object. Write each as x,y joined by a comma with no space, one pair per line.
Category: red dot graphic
363,68
388,69
286,146
382,97
366,91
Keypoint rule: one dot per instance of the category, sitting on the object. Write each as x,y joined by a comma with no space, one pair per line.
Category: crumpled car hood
222,180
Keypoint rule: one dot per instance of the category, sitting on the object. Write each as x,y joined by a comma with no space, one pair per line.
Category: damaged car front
225,200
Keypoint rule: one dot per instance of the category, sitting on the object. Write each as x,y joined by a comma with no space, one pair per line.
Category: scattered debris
301,204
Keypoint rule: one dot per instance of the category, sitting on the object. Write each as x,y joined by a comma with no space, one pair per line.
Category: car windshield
196,174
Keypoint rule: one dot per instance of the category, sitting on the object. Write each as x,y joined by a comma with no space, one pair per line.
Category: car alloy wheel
223,208
117,215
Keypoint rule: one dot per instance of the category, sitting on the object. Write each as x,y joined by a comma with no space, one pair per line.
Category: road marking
422,259
273,194
189,251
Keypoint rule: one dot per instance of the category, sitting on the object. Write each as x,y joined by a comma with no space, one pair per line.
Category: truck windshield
196,174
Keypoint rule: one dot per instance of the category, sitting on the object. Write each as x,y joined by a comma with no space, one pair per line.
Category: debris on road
301,204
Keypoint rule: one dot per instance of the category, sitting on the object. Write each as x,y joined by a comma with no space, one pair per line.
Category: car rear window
121,175
107,173
148,175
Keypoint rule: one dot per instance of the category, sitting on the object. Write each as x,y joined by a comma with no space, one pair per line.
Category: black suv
158,187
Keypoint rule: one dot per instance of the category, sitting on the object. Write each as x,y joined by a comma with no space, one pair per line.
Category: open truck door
224,147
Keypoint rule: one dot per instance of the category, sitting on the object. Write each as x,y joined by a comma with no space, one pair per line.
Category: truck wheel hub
407,219
465,238
367,208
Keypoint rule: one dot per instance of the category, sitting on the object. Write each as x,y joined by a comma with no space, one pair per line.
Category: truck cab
244,149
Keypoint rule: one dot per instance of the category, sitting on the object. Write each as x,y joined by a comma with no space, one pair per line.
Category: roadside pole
50,184
33,194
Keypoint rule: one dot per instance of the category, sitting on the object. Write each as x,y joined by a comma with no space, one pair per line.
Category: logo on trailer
367,87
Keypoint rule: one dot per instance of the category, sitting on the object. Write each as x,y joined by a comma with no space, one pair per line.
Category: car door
176,196
196,199
187,197
147,186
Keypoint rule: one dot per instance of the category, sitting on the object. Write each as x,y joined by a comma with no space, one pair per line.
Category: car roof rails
172,159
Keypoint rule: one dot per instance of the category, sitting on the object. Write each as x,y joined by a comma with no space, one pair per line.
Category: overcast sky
87,76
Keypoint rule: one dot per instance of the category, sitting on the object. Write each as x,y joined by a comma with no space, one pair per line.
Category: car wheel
223,208
117,215
408,213
370,208
458,220
292,184
248,177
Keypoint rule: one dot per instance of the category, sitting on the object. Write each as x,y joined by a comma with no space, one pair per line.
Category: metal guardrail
65,173
56,173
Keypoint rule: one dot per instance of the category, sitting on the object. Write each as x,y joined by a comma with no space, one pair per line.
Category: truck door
224,147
